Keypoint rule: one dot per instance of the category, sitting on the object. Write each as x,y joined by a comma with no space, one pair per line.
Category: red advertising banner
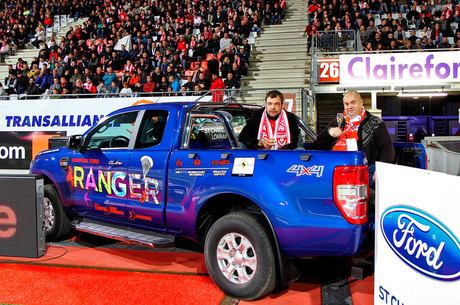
329,70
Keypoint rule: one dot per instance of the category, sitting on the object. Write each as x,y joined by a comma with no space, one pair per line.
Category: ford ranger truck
152,173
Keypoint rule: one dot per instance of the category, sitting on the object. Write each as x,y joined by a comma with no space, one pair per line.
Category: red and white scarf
281,134
350,130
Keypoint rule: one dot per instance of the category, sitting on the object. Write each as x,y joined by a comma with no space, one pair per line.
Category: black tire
249,242
55,222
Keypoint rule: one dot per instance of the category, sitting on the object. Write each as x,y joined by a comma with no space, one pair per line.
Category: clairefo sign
400,68
417,249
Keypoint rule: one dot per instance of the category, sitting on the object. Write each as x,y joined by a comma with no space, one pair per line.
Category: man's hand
335,132
266,143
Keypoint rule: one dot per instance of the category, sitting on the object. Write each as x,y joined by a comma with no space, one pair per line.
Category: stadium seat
49,32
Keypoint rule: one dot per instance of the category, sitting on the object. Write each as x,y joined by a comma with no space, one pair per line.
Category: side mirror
74,142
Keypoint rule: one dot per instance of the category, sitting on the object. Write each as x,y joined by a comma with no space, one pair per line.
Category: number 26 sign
328,70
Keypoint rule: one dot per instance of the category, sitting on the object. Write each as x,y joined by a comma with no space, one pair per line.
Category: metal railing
335,41
298,99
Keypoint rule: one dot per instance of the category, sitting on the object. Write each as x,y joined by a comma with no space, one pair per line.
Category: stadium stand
76,49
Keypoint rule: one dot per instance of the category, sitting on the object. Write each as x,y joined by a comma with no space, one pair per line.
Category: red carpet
97,275
30,284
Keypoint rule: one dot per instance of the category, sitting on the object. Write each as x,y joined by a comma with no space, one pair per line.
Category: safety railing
298,100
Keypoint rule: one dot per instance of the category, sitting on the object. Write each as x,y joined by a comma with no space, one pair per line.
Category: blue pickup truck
152,173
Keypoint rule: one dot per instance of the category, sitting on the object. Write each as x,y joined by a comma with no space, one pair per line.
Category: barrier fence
298,100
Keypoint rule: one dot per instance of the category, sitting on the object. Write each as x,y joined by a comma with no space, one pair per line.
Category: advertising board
417,250
26,125
328,70
399,68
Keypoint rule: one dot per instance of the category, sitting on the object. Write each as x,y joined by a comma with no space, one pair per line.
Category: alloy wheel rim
236,258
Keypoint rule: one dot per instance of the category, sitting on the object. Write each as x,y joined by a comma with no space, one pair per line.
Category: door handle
115,163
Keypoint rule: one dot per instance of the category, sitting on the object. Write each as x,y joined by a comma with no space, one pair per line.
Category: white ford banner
417,250
400,68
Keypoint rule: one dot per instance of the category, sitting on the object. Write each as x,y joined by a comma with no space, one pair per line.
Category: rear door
201,163
147,171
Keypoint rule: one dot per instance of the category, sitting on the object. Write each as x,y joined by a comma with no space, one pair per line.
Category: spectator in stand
5,50
101,90
157,75
174,83
76,75
216,88
232,20
34,72
123,54
231,83
33,91
237,73
109,77
197,90
138,89
189,85
444,44
21,84
400,36
126,91
244,59
203,82
56,85
413,16
89,87
39,36
226,67
77,88
150,85
224,43
437,33
113,90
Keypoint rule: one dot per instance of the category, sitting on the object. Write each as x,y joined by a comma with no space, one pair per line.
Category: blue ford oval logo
422,242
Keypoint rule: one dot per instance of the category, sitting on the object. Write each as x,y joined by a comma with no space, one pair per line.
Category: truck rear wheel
55,222
240,258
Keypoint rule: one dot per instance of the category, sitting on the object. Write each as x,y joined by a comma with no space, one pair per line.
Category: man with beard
271,127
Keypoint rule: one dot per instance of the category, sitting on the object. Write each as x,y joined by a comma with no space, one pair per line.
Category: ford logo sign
422,242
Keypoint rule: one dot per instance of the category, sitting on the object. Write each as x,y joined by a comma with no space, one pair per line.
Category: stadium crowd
387,24
205,42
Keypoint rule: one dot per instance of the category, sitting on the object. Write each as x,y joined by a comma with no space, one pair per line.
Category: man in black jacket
33,91
271,127
356,130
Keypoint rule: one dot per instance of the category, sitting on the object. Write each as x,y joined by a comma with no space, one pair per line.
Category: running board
156,240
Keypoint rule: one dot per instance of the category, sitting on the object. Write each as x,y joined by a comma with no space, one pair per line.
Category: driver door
98,175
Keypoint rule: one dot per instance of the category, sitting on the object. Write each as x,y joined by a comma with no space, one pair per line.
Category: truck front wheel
55,222
239,257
